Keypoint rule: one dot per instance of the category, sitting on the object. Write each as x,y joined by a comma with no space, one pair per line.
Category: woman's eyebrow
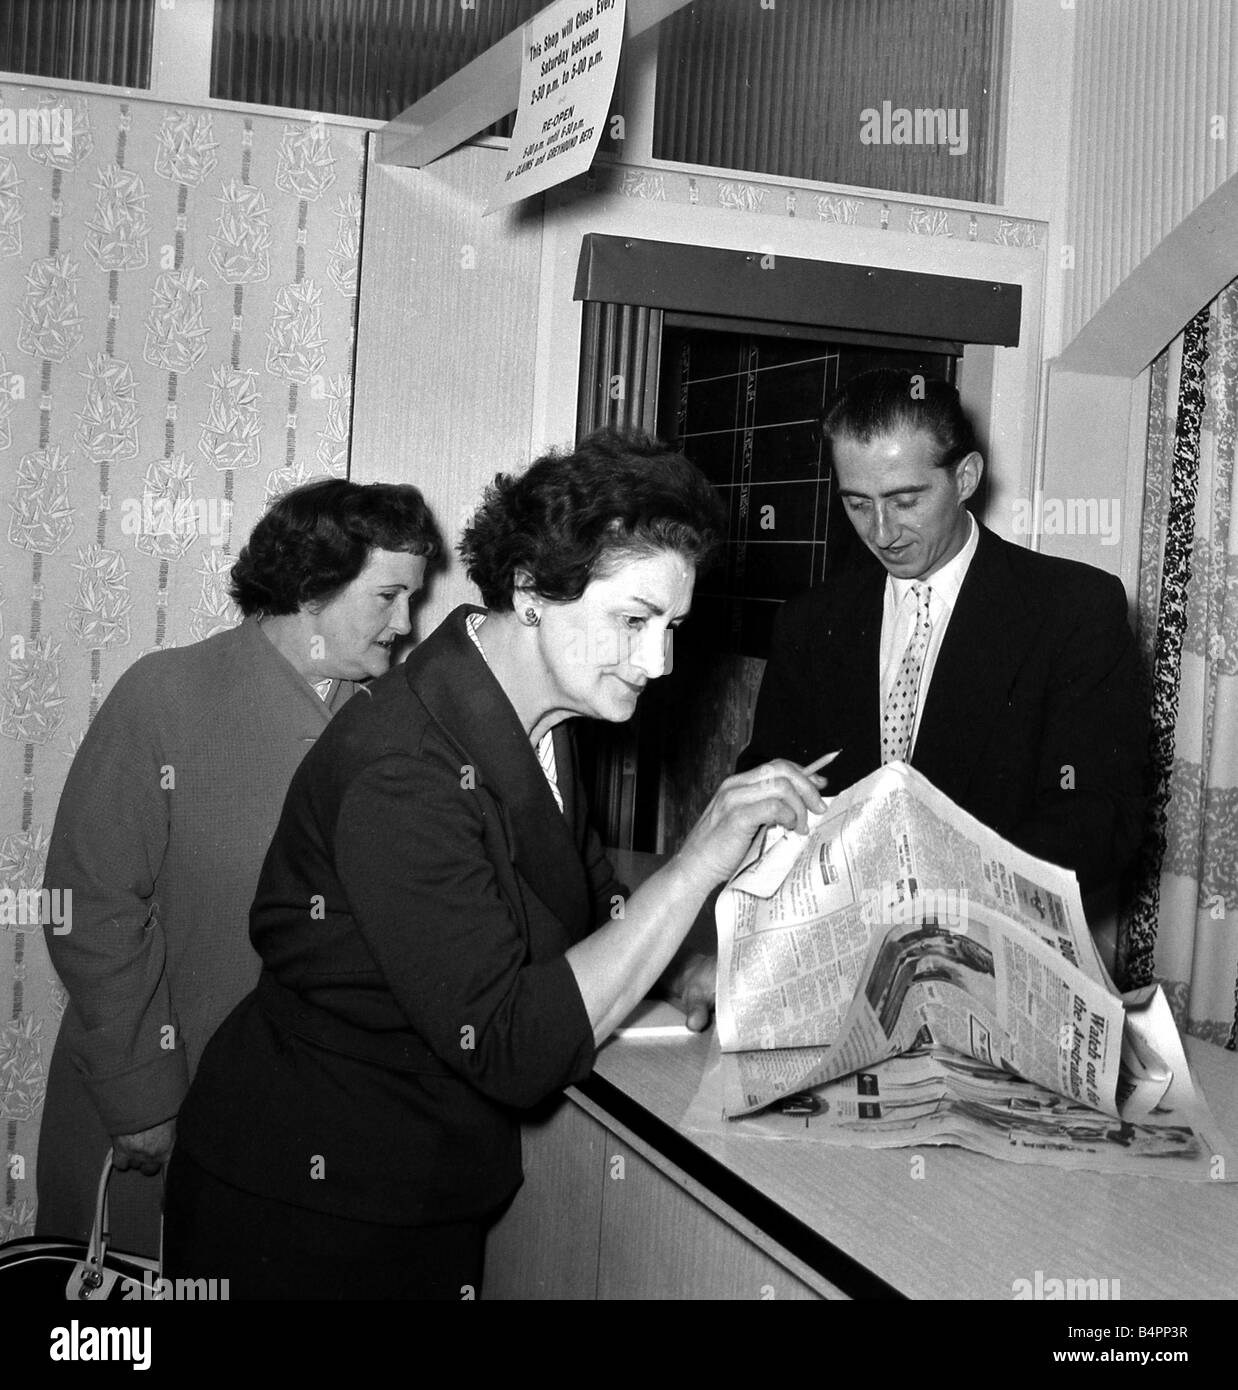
646,603
655,610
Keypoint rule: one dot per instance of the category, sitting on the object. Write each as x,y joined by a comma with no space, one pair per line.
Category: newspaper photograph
900,975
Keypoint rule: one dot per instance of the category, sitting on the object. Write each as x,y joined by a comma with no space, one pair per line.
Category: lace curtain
1183,926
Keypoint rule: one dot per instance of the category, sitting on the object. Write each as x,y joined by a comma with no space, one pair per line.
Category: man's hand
147,1150
691,988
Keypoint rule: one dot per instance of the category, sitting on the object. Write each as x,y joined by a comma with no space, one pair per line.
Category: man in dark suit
1006,677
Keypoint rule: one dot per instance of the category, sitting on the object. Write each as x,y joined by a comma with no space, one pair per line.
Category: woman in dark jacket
442,938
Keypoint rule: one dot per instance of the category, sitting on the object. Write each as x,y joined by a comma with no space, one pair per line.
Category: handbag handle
96,1252
91,1278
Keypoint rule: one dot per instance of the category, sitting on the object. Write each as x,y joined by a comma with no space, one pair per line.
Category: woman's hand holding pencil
779,792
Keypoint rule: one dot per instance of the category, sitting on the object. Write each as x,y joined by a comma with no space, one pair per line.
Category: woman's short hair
888,400
317,538
572,516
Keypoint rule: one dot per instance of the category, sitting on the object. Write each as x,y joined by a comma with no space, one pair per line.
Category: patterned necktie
898,719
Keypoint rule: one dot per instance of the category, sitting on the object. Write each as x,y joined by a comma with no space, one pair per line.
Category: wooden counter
618,1203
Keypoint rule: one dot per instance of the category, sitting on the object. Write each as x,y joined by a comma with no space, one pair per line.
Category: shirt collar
948,580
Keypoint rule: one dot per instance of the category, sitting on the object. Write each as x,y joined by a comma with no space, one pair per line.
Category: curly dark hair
571,515
888,399
317,538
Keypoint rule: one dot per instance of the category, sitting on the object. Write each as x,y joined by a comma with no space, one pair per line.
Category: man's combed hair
571,516
317,538
888,401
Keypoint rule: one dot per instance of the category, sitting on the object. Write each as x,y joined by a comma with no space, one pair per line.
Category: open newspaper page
900,974
983,987
933,1095
795,922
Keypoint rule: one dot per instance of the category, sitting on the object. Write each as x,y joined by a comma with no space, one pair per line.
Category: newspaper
902,975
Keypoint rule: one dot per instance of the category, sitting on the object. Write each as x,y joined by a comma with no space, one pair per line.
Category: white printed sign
571,56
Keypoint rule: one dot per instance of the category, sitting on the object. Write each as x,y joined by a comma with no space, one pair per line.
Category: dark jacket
412,917
1032,721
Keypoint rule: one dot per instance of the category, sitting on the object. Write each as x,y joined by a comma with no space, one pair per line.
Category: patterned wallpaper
177,297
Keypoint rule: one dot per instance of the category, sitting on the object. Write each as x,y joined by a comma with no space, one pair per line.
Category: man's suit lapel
979,658
462,694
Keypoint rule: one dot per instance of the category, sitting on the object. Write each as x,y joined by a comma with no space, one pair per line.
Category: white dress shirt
546,744
898,620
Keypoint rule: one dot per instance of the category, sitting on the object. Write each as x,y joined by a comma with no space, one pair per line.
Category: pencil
661,1030
822,761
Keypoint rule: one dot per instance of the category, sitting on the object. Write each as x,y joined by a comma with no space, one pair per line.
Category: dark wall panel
781,90
106,41
368,58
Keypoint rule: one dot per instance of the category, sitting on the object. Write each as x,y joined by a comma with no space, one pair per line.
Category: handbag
47,1268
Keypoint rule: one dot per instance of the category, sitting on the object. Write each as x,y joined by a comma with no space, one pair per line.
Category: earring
532,617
